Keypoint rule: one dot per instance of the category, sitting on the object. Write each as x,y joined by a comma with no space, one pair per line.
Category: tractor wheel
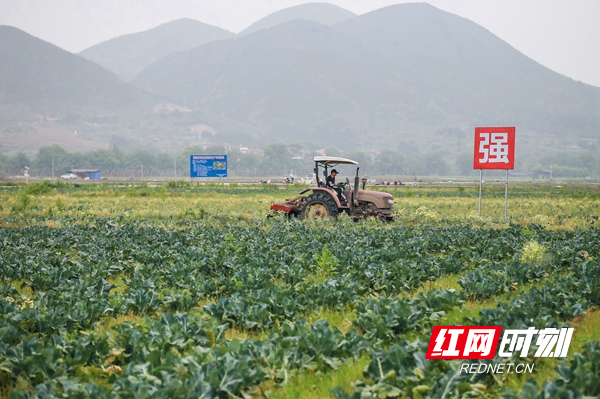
319,206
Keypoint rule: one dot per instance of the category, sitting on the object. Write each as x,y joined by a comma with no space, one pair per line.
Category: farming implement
324,202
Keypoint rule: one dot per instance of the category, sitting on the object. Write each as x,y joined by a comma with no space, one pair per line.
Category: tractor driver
330,183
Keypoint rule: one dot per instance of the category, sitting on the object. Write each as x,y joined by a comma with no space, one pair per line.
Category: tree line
278,160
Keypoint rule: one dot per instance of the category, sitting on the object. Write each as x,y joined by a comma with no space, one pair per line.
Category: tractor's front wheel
319,206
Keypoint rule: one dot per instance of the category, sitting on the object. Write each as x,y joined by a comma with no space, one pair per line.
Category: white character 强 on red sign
494,148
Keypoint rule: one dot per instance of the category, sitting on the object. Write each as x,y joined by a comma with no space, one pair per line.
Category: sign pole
506,198
480,184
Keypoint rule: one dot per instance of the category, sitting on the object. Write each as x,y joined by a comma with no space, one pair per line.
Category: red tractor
322,201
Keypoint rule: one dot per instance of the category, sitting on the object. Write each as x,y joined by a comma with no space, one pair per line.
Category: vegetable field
191,292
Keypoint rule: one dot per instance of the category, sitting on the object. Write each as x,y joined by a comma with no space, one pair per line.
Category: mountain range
404,76
128,55
395,74
323,13
32,70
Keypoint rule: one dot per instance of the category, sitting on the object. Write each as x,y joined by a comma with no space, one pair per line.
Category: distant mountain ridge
463,62
408,77
127,55
324,13
391,75
33,70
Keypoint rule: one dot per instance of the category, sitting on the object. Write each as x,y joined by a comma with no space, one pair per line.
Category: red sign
463,342
494,148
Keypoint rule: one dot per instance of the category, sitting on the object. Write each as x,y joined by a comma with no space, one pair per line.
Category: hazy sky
563,35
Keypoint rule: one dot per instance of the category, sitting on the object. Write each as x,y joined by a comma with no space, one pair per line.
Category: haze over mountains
377,79
127,55
32,70
323,13
47,95
403,76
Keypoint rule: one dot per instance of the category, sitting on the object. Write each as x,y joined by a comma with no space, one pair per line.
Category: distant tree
78,160
117,153
277,158
244,164
415,165
435,164
43,159
164,161
104,159
333,151
296,148
464,164
18,161
137,159
3,162
578,164
390,163
570,171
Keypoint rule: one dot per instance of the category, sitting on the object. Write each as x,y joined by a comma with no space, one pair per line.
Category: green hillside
127,55
35,71
458,66
50,96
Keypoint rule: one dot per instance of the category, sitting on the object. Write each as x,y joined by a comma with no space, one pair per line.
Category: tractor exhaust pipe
355,192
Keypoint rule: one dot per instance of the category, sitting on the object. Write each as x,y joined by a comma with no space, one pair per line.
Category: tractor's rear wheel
319,206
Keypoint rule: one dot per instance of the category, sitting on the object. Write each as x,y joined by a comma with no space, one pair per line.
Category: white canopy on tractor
333,161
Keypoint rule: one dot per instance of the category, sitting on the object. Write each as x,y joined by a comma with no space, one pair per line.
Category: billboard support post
506,198
480,184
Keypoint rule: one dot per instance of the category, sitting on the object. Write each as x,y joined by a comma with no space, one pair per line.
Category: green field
181,291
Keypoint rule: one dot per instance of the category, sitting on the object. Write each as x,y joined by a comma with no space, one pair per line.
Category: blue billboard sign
208,165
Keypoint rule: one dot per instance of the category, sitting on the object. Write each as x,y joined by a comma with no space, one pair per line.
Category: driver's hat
334,171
